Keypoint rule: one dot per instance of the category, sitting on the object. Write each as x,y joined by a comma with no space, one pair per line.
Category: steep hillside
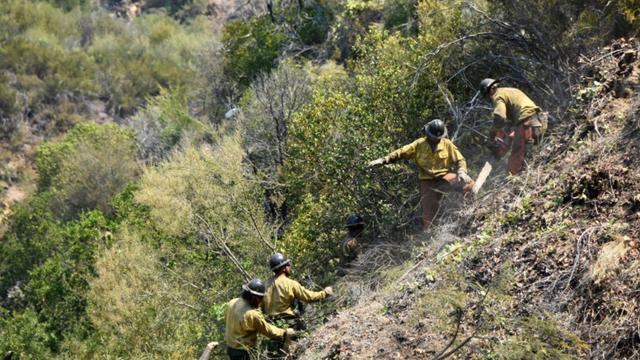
154,154
540,266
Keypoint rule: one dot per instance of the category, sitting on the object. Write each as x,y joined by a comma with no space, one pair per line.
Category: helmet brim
433,136
491,84
256,293
282,264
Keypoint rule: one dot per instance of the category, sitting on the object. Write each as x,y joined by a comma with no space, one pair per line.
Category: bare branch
209,233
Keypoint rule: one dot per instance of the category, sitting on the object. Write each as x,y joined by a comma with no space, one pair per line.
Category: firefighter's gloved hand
376,162
462,176
328,290
289,336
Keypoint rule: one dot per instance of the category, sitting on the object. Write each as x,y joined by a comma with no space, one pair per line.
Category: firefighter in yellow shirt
282,292
518,123
282,299
244,321
441,166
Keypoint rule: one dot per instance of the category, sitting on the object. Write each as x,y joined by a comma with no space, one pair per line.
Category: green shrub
164,123
87,168
24,334
314,22
51,263
251,47
138,309
57,287
541,338
67,4
400,15
332,138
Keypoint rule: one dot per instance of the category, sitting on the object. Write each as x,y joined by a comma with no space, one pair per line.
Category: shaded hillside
541,266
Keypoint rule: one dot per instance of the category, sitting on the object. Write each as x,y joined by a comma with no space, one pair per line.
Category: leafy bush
87,168
164,123
313,22
137,308
57,287
334,136
51,263
400,15
251,47
67,4
24,334
33,235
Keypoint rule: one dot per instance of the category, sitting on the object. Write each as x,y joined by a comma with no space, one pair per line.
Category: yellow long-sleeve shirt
511,106
280,293
243,324
432,164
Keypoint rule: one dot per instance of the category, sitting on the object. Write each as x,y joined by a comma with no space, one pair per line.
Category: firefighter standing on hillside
441,167
244,321
517,123
282,299
282,292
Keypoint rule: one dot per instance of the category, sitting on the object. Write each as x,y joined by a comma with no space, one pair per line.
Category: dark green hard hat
277,261
435,129
255,287
486,84
354,220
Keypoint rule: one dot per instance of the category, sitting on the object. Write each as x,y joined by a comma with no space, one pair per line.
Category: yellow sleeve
457,157
499,113
257,323
406,152
306,295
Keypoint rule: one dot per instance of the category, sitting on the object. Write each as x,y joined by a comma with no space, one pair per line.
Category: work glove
328,290
289,336
462,176
376,162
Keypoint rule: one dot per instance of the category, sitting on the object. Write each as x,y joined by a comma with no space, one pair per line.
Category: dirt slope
542,266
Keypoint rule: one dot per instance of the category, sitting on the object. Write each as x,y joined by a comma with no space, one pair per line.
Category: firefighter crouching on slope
440,164
244,321
517,123
350,247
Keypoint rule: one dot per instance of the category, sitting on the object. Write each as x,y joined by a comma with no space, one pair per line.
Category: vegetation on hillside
173,157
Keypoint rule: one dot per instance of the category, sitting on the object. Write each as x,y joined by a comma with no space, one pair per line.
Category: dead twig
209,234
479,310
576,259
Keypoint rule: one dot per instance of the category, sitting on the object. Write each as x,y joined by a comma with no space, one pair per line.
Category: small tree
273,100
209,195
